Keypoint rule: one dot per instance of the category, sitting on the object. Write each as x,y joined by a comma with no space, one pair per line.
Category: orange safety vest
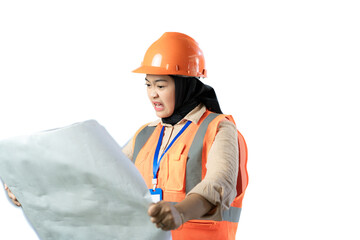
184,166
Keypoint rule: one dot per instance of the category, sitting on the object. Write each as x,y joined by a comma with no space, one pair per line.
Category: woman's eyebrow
158,80
161,80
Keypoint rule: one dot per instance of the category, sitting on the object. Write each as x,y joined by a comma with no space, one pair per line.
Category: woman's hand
12,196
165,216
169,217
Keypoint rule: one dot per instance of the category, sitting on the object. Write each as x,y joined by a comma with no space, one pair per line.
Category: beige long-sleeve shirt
219,183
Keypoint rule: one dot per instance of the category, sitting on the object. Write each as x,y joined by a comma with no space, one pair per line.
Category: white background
288,72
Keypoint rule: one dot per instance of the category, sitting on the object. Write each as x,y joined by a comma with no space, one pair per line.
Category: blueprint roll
75,183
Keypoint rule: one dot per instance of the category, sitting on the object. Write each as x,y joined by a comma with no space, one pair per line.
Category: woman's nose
153,93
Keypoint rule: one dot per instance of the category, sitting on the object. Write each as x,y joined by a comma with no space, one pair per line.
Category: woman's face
161,92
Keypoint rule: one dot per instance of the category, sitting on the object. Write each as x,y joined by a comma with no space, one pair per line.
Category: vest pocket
201,224
177,169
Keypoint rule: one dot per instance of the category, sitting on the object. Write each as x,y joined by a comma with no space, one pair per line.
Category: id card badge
156,195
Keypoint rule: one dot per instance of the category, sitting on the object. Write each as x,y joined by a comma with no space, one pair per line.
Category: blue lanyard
157,160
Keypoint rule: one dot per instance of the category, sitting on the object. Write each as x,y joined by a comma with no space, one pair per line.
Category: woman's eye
148,85
160,87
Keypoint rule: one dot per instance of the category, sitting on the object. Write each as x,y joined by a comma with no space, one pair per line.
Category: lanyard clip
154,182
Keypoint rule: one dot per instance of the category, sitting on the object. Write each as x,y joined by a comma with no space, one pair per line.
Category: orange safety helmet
174,54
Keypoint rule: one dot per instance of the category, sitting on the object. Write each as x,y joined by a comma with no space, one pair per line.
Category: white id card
156,195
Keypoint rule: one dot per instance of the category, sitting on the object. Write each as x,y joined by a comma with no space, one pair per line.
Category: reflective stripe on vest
141,139
230,215
194,163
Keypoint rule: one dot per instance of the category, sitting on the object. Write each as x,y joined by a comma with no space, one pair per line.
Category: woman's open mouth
158,106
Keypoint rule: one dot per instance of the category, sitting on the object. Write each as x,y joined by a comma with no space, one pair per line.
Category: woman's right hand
12,196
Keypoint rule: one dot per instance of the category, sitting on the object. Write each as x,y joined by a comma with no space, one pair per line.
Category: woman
192,159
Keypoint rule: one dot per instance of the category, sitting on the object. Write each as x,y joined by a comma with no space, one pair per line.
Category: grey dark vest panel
194,162
141,139
230,215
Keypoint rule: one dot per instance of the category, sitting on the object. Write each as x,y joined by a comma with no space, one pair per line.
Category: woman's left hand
12,196
165,216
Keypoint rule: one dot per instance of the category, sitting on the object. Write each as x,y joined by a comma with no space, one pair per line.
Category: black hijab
190,92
